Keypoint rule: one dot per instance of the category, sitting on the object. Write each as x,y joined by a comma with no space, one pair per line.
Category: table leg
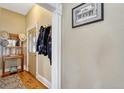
22,64
3,67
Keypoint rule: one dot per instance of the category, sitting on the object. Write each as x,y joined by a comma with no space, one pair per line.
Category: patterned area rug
11,82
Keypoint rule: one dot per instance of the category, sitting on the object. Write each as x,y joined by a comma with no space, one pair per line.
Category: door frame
27,54
56,9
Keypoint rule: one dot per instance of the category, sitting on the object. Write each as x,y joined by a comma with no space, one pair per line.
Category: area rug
11,82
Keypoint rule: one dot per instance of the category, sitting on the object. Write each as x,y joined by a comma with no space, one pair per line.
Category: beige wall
40,16
11,22
93,55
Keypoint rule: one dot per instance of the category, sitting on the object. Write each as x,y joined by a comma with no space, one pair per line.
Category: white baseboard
43,80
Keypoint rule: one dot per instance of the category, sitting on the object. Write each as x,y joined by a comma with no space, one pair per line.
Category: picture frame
87,13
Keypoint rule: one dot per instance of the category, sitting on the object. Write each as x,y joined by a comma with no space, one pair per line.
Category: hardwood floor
30,81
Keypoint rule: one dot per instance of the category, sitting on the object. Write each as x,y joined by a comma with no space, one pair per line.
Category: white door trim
56,9
38,76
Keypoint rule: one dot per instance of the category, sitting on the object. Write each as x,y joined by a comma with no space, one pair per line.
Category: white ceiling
21,8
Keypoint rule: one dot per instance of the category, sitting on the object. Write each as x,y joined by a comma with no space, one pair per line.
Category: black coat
41,47
49,49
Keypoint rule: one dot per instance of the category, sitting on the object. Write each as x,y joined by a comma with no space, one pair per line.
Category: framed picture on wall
87,13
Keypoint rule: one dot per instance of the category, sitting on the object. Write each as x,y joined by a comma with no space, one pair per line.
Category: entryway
33,62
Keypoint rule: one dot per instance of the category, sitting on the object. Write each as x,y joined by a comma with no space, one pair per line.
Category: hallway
25,46
25,80
30,81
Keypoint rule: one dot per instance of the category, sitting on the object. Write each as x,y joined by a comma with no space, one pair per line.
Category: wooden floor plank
30,82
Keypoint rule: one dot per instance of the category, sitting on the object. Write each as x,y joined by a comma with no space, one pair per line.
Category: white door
32,51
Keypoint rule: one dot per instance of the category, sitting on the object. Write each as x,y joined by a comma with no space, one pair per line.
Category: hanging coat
49,49
42,40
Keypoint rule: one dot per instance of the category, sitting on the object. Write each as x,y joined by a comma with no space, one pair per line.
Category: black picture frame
101,15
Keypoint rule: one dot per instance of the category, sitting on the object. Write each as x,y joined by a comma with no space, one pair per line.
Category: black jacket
41,47
49,49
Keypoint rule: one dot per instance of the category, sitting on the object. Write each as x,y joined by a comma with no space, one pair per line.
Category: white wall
93,55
